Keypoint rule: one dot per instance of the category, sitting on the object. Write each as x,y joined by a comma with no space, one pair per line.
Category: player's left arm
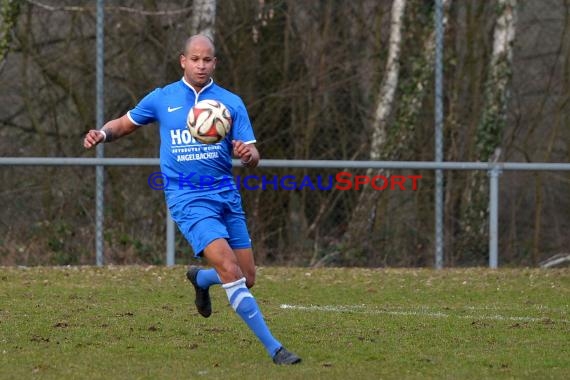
247,153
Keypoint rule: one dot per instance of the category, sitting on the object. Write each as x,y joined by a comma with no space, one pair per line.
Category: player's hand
242,151
92,138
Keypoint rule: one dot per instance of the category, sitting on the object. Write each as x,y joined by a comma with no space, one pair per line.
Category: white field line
422,312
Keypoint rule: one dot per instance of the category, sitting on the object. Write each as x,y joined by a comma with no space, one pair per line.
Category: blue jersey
190,167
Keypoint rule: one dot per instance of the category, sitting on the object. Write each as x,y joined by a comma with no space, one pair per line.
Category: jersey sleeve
241,125
145,111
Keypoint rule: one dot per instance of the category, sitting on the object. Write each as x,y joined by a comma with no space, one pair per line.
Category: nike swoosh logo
171,109
252,315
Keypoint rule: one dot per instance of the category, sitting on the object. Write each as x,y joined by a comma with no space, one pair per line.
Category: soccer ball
209,121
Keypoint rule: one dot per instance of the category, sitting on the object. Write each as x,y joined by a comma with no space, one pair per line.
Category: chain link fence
310,74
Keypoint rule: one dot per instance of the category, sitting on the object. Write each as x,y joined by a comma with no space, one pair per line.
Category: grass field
139,323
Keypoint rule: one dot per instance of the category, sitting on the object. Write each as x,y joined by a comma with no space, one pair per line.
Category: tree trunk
392,143
204,18
474,239
364,213
390,82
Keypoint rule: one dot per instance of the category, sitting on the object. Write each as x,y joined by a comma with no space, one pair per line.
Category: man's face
198,63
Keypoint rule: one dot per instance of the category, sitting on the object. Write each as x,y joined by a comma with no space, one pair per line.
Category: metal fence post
438,133
494,174
169,239
100,169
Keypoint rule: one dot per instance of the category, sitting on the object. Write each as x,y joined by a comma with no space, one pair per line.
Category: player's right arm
111,131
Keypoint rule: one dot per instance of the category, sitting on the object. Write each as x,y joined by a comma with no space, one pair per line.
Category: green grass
139,323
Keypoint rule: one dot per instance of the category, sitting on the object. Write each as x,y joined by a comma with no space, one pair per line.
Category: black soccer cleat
283,356
203,302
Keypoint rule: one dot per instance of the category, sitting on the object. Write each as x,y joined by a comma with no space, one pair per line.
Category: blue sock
207,278
245,306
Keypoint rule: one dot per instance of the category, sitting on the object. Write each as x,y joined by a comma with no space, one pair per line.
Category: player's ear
182,61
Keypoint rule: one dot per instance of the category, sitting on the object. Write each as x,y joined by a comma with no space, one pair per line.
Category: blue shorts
205,218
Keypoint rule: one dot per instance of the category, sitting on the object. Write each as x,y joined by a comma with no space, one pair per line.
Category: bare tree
490,131
203,17
364,213
390,81
391,140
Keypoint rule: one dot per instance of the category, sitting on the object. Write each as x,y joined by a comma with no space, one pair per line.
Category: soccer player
208,212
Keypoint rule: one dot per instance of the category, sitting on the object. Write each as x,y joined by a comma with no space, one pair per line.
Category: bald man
199,187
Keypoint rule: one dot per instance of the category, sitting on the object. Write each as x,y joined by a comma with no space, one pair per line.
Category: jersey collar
210,83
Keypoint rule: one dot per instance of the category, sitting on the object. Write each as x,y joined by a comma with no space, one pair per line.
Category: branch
52,8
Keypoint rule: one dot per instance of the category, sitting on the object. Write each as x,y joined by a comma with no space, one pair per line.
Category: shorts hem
240,247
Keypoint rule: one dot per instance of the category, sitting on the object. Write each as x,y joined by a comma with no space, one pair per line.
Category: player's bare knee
230,271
